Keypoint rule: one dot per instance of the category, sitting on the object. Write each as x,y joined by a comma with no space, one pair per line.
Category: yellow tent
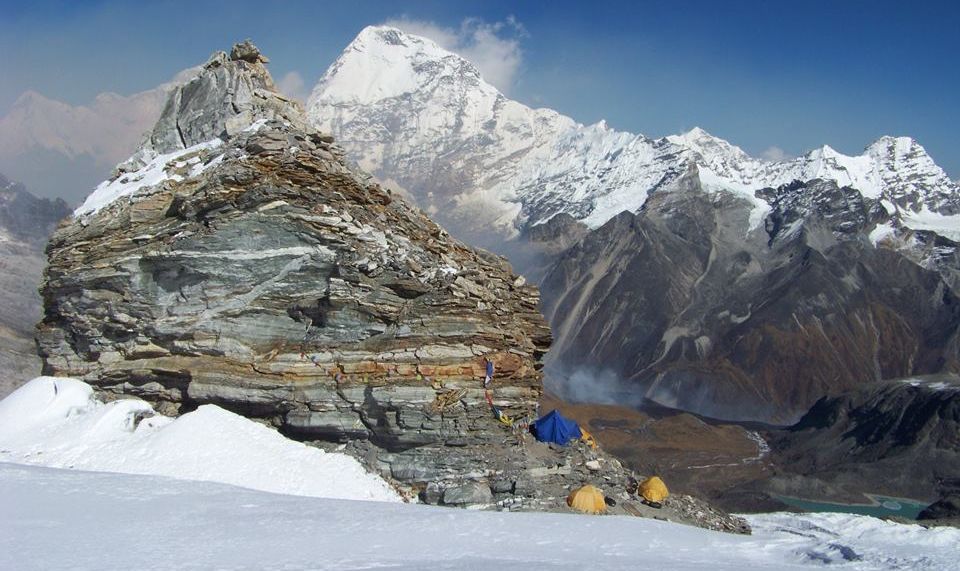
588,499
587,437
653,490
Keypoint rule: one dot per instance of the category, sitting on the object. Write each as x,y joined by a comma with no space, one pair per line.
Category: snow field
58,422
68,519
123,514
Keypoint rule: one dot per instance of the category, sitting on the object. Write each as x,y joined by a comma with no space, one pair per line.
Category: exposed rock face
25,224
230,95
900,438
697,316
259,272
944,510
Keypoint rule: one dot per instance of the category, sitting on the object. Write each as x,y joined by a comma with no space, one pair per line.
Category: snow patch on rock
156,171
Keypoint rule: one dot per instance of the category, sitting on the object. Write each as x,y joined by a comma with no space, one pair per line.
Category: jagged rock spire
230,94
247,52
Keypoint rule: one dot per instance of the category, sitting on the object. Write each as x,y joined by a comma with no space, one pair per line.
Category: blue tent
553,427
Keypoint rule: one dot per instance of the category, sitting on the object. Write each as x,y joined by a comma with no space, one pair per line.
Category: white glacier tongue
422,118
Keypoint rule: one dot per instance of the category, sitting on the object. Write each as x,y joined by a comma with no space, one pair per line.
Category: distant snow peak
384,62
494,47
417,114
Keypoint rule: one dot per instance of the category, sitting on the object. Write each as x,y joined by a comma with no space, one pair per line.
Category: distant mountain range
678,269
423,118
62,150
25,224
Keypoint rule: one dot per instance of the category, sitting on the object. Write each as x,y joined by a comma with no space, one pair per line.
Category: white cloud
775,154
292,85
493,47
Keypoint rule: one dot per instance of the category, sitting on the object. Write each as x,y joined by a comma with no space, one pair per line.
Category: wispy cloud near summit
293,85
493,47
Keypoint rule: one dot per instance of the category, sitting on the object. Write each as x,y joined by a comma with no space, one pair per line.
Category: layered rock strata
236,259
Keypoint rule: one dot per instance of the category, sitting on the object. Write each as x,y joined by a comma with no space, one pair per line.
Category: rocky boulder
947,508
238,260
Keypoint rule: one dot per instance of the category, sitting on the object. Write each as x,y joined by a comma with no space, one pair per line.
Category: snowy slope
58,422
154,172
144,522
422,118
156,522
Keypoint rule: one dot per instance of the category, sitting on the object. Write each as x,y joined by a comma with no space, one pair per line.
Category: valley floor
69,519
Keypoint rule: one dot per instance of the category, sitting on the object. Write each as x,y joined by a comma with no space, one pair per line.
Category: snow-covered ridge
156,170
58,422
421,117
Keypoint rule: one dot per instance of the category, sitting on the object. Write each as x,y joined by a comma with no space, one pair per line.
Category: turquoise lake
885,506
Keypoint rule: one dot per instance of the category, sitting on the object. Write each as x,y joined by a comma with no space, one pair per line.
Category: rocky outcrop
521,474
236,259
25,224
945,510
690,310
897,438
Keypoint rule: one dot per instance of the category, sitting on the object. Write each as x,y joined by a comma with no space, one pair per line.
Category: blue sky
764,75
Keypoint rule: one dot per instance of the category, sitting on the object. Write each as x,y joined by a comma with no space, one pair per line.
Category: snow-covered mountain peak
825,152
695,135
715,153
888,141
901,152
700,137
385,62
422,118
914,181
